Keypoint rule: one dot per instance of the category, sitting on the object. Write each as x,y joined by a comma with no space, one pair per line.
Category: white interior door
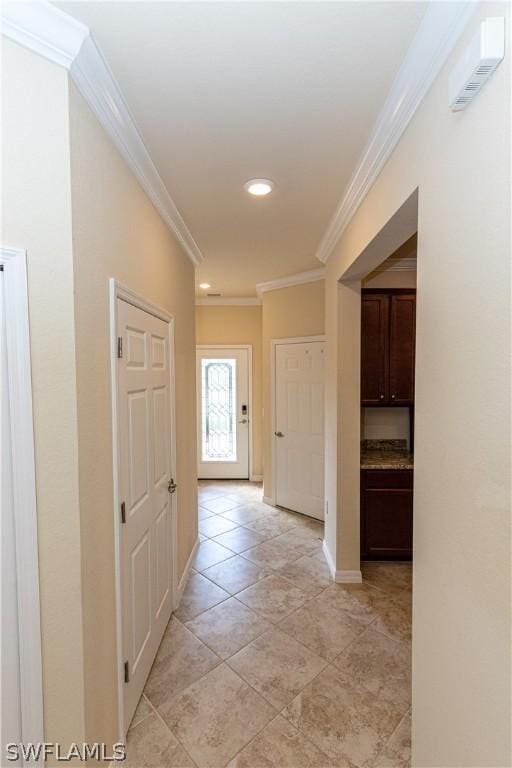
223,412
145,450
299,427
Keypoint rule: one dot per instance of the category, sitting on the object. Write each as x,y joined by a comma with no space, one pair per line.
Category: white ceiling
224,92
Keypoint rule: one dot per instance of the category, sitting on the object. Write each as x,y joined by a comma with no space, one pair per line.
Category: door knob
278,434
243,421
172,485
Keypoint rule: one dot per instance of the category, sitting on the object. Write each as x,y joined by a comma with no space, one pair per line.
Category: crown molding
312,276
228,301
48,31
402,265
439,31
44,29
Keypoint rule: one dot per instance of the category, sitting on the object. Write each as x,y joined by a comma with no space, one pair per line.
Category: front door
223,412
299,427
145,429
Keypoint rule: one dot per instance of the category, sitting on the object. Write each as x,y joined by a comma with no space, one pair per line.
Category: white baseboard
268,500
348,577
340,577
256,478
328,559
184,577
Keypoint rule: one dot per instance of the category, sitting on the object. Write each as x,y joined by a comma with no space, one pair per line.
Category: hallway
267,662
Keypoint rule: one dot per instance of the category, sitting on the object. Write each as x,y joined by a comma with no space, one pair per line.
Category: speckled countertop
385,454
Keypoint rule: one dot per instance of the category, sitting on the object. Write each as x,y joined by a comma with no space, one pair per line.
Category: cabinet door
387,524
401,349
374,349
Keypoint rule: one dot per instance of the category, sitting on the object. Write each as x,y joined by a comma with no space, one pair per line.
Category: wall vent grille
477,63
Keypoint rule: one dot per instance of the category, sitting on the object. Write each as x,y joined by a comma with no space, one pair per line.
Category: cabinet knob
382,397
392,397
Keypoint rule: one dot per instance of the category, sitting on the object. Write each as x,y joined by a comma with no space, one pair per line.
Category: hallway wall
239,325
36,215
118,233
83,218
462,558
287,312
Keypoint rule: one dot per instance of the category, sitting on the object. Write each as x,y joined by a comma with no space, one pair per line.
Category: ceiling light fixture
204,286
259,187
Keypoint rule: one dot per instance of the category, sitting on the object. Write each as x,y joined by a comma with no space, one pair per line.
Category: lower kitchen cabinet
386,514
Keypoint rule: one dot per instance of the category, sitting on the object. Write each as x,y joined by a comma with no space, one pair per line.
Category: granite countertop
385,454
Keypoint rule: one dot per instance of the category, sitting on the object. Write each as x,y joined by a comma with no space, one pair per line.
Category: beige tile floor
267,663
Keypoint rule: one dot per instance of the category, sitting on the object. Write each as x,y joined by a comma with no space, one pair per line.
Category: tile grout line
298,728
157,713
242,680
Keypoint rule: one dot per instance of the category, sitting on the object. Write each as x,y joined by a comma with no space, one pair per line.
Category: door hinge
119,346
123,512
126,672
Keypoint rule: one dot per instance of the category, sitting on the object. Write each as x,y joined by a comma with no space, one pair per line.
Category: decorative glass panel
218,386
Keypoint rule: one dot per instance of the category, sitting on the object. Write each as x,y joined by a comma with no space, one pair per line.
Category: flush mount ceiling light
259,187
204,286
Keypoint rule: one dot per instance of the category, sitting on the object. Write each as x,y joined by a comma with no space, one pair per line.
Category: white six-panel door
145,461
299,427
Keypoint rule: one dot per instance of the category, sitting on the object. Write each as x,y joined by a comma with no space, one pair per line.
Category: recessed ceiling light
204,286
259,187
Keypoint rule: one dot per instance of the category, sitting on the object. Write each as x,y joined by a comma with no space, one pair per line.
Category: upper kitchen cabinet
374,348
388,319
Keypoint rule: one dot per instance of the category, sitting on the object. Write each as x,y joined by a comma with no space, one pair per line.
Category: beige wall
239,325
81,215
287,312
36,215
118,233
462,558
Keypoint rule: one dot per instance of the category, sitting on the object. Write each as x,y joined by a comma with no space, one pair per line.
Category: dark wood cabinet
388,329
374,348
402,331
386,514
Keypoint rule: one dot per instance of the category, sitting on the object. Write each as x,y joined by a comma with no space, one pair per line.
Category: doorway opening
375,486
388,335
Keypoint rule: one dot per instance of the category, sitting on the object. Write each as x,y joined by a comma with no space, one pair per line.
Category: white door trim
14,264
274,343
247,347
118,291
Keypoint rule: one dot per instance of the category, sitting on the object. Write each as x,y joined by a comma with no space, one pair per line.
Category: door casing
119,291
273,344
17,331
247,347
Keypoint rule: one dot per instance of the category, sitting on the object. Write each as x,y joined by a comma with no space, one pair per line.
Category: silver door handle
278,434
172,485
243,421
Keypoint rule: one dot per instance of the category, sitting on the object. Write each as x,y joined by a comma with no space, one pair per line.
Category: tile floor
266,662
